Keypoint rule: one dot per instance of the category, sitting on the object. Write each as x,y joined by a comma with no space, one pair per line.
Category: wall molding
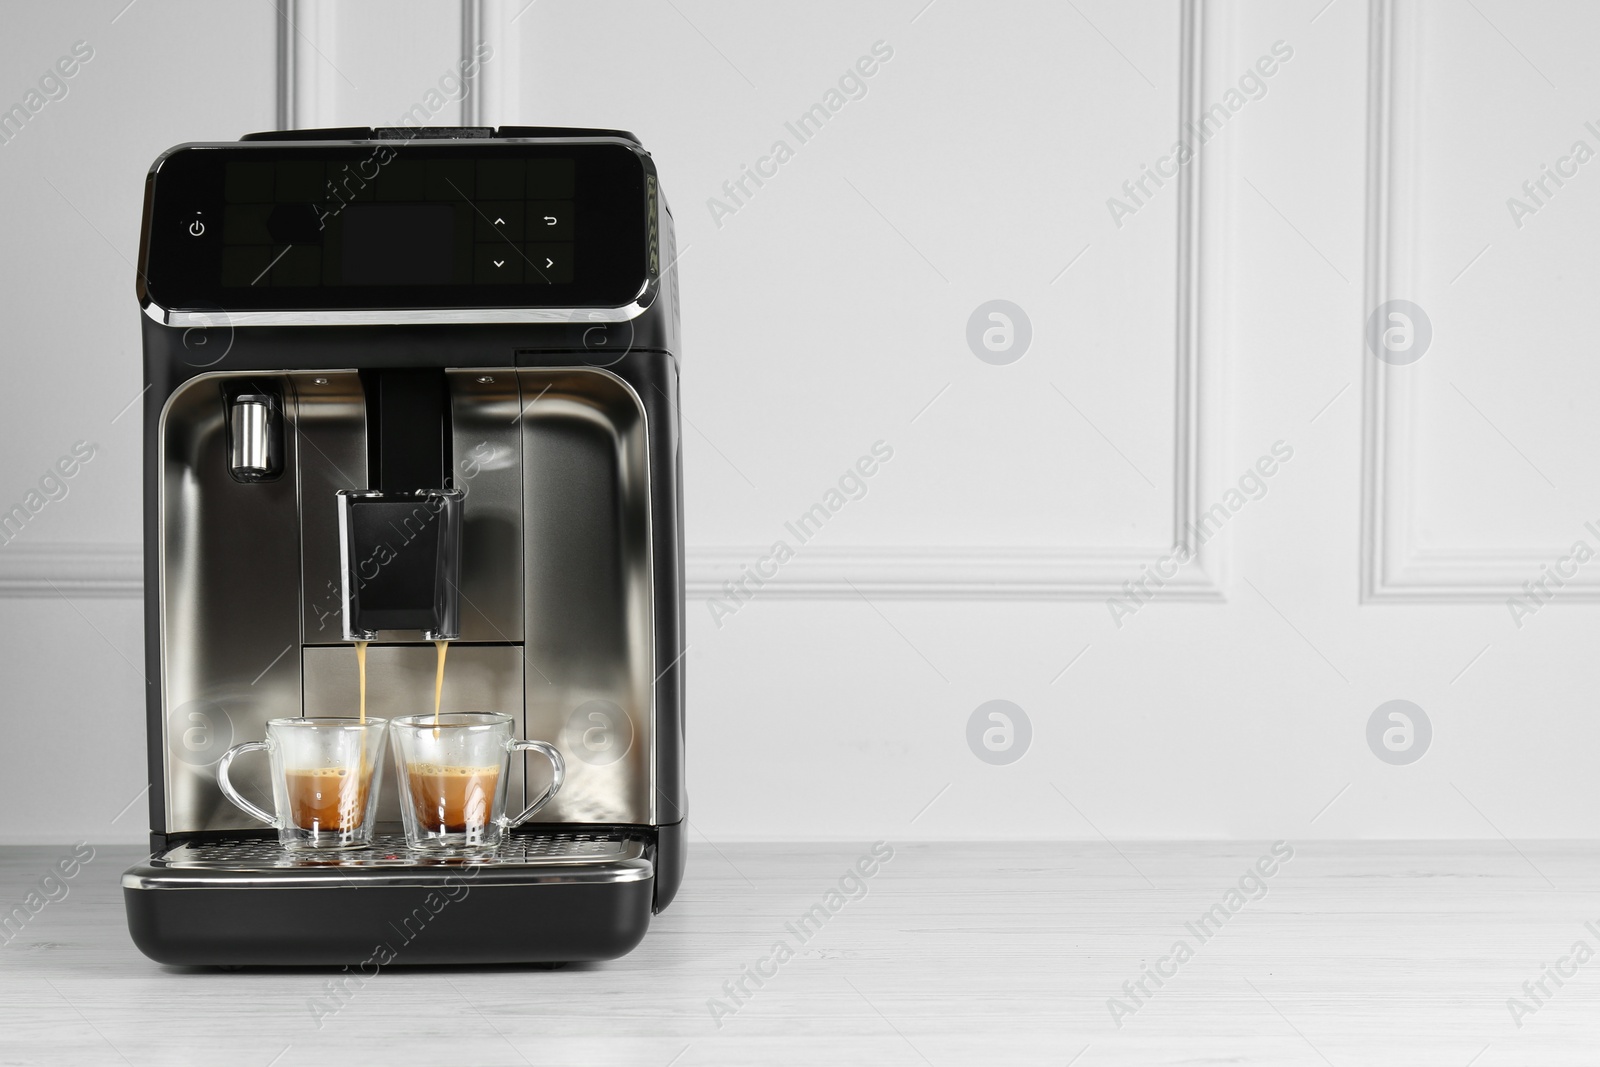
307,29
816,573
497,95
987,572
284,89
1394,565
472,16
71,570
936,572
944,572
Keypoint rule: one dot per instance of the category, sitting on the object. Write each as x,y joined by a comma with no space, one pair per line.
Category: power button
196,228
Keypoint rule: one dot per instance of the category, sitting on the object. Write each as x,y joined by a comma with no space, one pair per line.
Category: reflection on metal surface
487,465
589,600
329,428
230,608
251,428
400,682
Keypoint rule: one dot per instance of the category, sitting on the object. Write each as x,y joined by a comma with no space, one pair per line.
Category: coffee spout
400,555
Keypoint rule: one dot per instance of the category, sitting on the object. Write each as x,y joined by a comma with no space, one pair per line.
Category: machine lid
408,133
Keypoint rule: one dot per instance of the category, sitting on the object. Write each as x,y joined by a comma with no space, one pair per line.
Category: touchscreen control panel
274,226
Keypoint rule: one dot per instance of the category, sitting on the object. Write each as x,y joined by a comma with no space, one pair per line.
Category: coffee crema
326,798
452,800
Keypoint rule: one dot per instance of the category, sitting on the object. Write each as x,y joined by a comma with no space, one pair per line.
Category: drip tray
546,896
523,858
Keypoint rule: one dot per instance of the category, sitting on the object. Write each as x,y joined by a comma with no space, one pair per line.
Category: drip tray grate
389,850
555,857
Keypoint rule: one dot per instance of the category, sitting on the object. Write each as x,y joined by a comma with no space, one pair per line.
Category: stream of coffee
361,664
326,798
438,679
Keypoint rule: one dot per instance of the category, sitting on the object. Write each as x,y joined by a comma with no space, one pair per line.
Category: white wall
1168,354
73,182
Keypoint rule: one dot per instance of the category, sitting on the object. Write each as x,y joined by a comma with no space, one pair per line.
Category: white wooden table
956,954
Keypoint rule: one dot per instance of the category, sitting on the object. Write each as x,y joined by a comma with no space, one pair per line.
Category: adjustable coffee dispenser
404,386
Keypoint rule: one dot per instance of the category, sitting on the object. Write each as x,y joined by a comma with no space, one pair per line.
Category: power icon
196,228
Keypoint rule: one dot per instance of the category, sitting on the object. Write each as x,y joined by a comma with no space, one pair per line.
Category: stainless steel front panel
400,682
486,448
590,656
230,609
557,602
328,424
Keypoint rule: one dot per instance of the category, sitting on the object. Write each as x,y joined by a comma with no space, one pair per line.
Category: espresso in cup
454,769
326,773
327,798
452,800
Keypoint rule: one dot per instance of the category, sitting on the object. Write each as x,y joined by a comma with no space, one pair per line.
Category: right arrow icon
548,262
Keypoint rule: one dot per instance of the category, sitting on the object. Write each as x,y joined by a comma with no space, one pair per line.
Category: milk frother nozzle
253,450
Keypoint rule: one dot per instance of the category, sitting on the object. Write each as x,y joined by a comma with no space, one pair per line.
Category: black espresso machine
489,314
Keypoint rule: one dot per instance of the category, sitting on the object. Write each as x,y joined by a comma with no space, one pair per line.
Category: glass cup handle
558,772
227,786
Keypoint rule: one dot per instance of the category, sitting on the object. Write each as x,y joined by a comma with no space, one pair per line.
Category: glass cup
453,777
326,773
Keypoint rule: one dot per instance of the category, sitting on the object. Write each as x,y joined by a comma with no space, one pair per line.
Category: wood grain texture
1357,953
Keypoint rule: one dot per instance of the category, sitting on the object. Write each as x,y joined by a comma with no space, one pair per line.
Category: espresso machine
407,385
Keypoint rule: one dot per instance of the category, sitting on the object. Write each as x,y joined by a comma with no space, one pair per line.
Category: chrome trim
247,451
401,316
144,878
162,879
